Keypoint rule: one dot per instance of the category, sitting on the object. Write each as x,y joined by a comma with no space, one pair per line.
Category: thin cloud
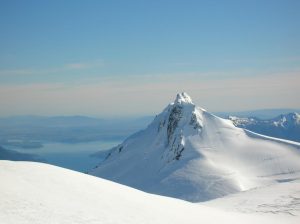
84,65
77,66
17,72
66,67
264,60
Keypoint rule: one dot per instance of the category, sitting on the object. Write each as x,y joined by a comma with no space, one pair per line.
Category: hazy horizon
262,113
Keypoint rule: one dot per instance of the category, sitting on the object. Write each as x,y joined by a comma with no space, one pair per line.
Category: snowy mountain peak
179,120
191,154
183,98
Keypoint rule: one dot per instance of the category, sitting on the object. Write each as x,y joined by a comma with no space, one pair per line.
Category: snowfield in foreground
40,193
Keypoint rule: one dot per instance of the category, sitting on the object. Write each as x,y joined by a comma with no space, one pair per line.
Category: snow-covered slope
191,154
285,126
39,193
278,199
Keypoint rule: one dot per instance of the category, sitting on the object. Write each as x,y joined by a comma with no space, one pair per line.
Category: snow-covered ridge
40,193
285,126
283,120
188,153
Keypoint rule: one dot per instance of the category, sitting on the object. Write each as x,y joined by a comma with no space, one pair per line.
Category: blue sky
113,58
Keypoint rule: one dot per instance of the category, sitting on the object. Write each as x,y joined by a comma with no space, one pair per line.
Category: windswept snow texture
277,199
190,154
285,126
39,193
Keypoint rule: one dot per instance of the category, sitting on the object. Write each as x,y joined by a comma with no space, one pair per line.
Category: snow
191,154
186,153
40,193
183,98
285,126
278,199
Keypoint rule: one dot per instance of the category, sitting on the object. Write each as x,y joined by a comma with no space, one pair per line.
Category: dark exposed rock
120,149
174,118
194,122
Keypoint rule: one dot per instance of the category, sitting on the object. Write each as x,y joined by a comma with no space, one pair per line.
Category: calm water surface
72,156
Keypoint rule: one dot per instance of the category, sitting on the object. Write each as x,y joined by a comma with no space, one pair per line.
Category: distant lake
72,156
